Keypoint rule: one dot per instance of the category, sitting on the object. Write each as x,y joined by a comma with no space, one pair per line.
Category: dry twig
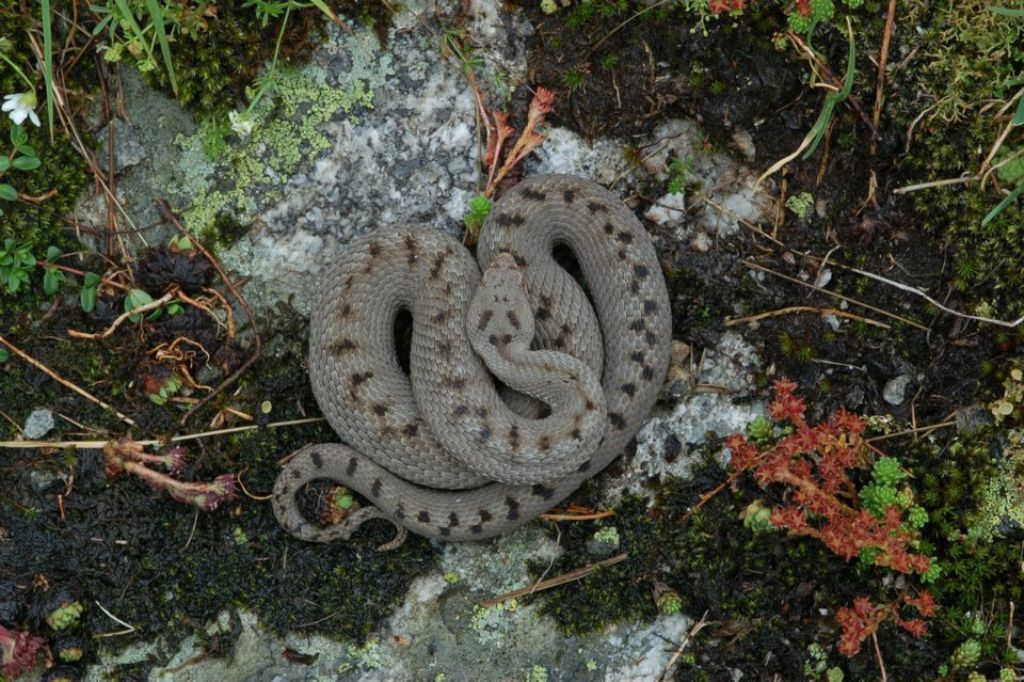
569,577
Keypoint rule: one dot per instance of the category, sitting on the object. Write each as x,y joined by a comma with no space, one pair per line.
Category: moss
286,133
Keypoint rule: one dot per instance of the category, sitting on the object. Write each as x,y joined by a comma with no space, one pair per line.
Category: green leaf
52,253
1018,117
8,193
47,61
5,163
91,280
136,298
1005,11
156,14
5,355
174,308
1002,205
26,149
18,135
52,280
87,297
27,163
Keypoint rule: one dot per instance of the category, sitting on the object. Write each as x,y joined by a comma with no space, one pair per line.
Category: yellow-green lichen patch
250,172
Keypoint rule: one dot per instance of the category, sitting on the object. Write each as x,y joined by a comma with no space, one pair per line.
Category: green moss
286,133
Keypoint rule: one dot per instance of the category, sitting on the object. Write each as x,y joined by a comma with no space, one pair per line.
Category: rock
670,209
701,242
895,389
971,419
128,150
745,144
38,424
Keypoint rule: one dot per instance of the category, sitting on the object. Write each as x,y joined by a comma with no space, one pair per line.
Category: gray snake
447,451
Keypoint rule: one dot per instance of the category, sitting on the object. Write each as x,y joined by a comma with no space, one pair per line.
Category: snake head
500,314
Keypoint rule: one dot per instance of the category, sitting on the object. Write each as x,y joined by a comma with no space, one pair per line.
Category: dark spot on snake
634,286
568,195
637,356
590,405
621,254
651,338
640,270
346,310
296,473
493,339
445,532
617,420
423,516
458,384
481,412
438,263
624,237
534,195
453,520
559,343
360,377
400,512
576,434
476,529
285,490
513,319
374,249
544,412
485,515
520,261
380,409
485,433
597,207
513,437
445,347
347,283
342,346
543,492
441,316
609,228
375,490
411,429
650,306
629,389
513,508
317,459
410,245
542,314
461,410
648,373
506,339
352,464
485,319
637,325
672,448
584,466
544,444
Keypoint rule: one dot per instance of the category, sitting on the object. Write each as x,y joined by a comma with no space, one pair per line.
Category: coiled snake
439,451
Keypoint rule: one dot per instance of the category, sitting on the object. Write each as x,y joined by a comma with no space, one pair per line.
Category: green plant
16,262
678,171
573,80
22,157
479,209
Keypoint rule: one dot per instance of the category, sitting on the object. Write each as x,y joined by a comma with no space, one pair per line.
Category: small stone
745,144
128,151
670,209
895,390
971,419
701,243
38,424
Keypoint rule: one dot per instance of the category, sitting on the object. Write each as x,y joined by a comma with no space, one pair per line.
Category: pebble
38,424
895,389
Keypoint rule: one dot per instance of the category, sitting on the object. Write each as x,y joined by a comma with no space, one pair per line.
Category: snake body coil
439,451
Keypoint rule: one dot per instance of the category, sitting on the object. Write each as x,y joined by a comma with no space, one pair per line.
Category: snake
528,371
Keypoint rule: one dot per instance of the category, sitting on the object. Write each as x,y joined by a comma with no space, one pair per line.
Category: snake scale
455,449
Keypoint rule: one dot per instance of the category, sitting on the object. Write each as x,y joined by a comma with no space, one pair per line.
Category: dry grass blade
805,309
569,577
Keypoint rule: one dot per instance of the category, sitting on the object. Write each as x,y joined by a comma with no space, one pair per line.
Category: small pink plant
128,456
17,652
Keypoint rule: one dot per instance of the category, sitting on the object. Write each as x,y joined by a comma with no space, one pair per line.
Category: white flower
20,106
241,122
